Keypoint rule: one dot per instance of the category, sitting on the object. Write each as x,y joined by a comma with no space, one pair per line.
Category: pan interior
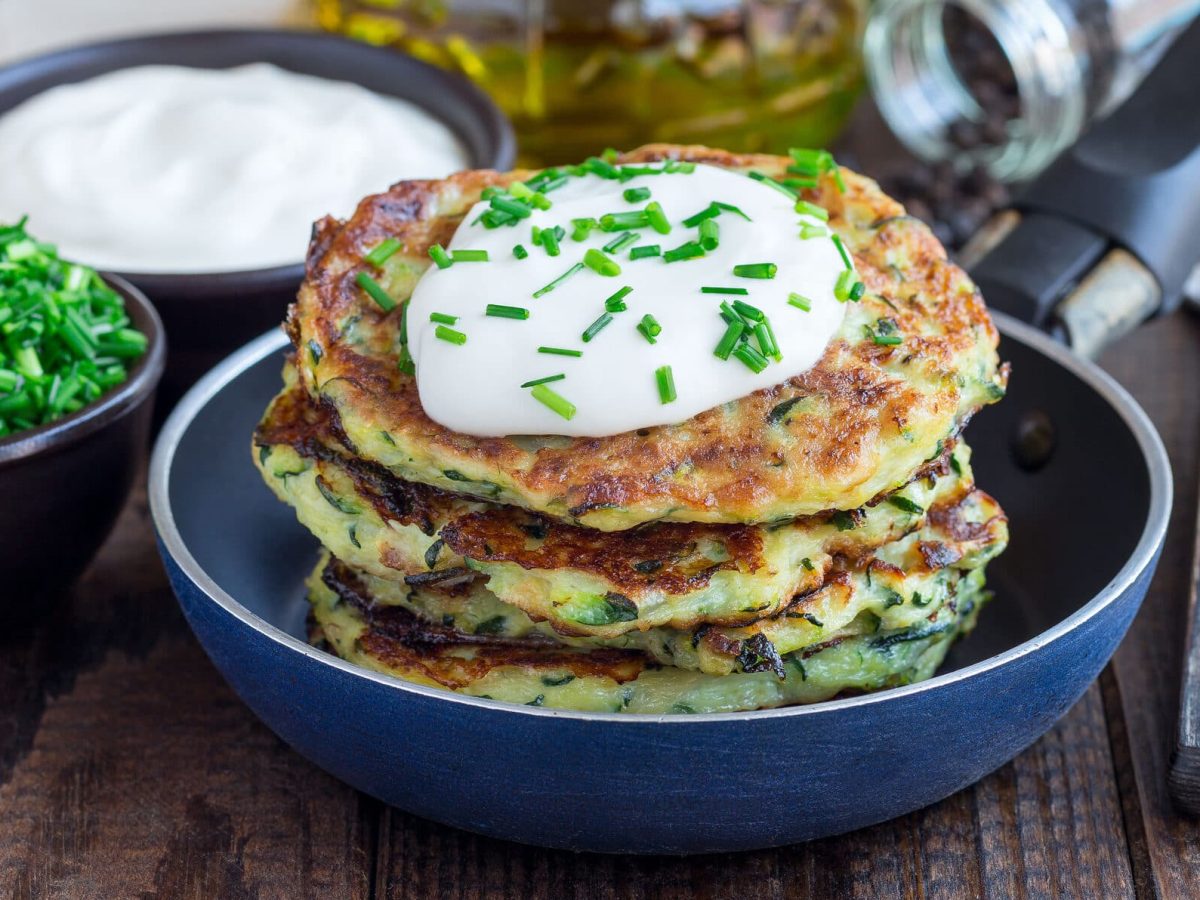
1075,519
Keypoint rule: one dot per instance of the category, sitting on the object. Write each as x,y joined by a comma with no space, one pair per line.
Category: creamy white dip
174,169
476,387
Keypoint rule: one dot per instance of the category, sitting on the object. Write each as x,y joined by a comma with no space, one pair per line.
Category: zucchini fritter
537,672
593,583
854,427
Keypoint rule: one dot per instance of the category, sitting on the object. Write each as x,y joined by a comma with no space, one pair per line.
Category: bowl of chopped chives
80,358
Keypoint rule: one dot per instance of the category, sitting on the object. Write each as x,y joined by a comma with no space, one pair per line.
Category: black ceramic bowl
209,315
63,484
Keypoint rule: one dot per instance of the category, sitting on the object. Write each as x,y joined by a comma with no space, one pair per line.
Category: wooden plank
130,769
1160,365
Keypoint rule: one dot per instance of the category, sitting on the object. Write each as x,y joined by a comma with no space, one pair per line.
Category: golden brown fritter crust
857,424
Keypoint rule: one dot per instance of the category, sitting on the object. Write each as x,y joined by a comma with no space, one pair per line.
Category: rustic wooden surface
129,769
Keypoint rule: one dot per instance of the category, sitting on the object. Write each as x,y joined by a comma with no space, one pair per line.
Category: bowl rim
288,275
1158,513
140,383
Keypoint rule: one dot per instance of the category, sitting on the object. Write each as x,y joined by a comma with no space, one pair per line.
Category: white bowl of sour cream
195,164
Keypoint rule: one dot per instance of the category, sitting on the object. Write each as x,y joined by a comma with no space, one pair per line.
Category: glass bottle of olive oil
578,75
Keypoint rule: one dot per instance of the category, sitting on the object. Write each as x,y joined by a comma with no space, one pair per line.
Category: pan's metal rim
1153,452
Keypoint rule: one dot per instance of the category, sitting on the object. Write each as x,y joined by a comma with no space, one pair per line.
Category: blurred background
985,92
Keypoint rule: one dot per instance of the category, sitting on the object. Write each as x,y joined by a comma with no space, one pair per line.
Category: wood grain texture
128,768
1160,364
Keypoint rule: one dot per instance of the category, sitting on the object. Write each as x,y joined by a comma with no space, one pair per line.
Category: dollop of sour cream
174,169
613,385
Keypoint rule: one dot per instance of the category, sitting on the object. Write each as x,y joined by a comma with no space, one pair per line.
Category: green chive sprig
553,401
756,270
724,290
616,303
575,269
499,311
560,351
649,328
383,251
443,318
800,302
450,335
657,218
690,250
636,195
547,380
439,255
375,291
645,250
665,379
596,327
600,264
468,256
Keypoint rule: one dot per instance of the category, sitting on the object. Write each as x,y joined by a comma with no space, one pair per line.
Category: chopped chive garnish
439,255
645,250
765,335
674,165
800,301
857,291
511,205
609,154
581,228
559,351
66,335
376,293
546,380
557,181
756,270
600,264
748,311
450,335
808,171
690,250
494,218
843,285
535,235
596,327
619,221
841,248
549,240
658,218
405,363
498,311
753,360
729,340
665,379
649,328
724,290
908,506
637,194
799,184
808,232
771,182
616,303
578,267
617,244
707,213
600,167
710,234
555,402
469,256
443,318
811,209
383,251
520,252
729,207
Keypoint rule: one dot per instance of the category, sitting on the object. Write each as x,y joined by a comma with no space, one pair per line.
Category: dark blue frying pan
1071,457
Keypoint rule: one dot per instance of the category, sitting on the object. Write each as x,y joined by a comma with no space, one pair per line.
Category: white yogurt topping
173,169
476,388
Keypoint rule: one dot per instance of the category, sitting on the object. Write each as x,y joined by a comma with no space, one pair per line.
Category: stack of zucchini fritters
818,538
